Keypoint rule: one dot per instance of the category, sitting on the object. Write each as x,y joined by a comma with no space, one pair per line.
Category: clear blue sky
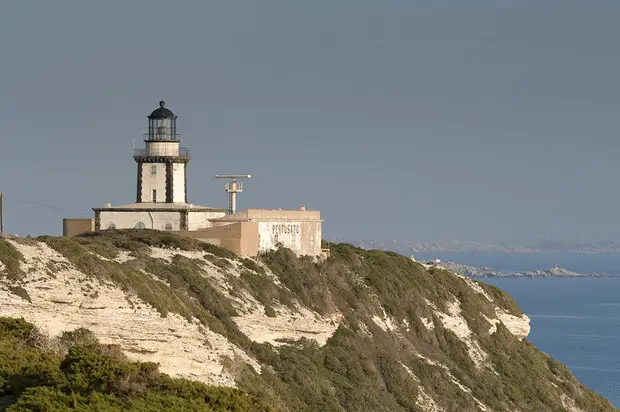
464,120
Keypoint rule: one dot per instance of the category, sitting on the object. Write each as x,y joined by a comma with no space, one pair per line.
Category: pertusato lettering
285,229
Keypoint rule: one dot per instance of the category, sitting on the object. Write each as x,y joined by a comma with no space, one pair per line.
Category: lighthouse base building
158,216
161,204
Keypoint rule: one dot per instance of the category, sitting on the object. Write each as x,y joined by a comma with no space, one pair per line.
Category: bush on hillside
10,257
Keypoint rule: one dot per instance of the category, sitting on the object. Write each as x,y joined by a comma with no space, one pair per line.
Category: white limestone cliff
62,298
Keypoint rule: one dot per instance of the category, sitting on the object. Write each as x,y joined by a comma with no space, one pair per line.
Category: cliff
363,330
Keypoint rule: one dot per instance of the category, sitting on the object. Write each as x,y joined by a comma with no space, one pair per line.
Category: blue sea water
577,322
574,320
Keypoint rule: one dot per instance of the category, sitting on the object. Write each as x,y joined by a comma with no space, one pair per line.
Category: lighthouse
161,185
162,164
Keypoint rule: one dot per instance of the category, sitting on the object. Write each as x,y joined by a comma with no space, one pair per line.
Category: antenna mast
233,187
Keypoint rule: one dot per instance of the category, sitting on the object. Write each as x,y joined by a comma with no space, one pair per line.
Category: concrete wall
311,236
129,220
152,182
76,226
286,233
201,220
240,237
304,238
157,219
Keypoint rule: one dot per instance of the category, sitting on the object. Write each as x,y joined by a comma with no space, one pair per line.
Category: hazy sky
465,120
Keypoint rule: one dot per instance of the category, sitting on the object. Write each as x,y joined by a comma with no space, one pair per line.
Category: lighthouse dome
161,112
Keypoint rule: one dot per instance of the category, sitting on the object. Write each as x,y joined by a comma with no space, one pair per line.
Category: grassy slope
360,368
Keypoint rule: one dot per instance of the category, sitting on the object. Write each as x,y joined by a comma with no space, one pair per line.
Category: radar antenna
232,188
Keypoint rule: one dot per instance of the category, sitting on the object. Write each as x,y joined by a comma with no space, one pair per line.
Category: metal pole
232,202
1,214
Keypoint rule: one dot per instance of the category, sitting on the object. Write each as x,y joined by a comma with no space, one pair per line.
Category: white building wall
285,232
152,182
200,220
151,220
311,239
178,182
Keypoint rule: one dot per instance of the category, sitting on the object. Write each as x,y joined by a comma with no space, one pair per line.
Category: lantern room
162,124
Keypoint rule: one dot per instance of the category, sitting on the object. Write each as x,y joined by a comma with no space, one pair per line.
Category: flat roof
272,215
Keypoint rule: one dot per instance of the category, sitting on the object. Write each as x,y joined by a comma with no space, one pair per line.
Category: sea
574,320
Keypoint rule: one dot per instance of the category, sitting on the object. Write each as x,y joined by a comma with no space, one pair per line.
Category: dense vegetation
75,372
361,368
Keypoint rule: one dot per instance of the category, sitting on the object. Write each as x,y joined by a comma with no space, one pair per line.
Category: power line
35,203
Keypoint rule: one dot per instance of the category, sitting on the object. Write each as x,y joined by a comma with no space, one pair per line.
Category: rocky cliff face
365,330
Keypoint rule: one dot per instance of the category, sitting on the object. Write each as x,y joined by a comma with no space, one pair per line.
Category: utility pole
1,215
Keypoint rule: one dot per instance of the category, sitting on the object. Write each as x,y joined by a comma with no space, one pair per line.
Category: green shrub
271,312
252,265
263,288
10,258
222,263
16,328
79,336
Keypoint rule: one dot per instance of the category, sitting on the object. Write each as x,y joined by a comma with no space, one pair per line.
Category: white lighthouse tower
162,164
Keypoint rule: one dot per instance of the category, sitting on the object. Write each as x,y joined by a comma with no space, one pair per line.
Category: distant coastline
485,272
543,246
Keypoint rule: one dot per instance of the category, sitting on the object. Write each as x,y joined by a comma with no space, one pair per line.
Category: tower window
154,195
161,132
111,226
153,170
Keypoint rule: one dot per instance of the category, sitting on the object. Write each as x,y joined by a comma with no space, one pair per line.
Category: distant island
539,246
481,272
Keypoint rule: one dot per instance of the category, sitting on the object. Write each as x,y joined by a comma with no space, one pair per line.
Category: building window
168,226
140,225
111,226
154,195
153,170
